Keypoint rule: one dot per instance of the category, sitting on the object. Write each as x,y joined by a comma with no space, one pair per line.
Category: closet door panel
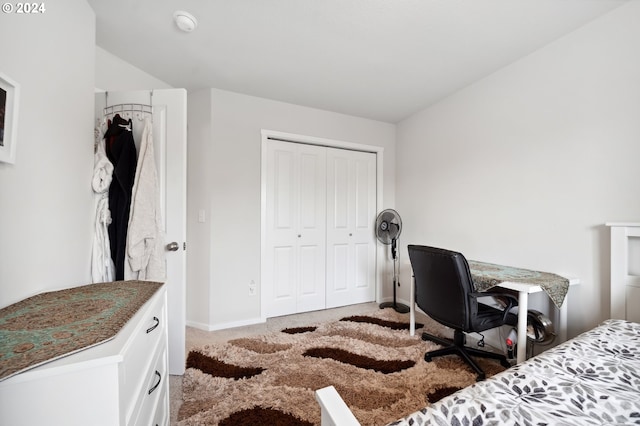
339,192
350,239
364,193
295,224
363,266
281,221
311,228
338,205
363,228
310,211
283,273
310,295
283,191
338,269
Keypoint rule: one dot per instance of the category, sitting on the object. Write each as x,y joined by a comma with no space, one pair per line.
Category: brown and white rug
378,369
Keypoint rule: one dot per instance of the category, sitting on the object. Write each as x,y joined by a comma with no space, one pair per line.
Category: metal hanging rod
128,110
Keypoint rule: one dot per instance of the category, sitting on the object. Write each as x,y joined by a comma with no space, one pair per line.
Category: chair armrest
510,300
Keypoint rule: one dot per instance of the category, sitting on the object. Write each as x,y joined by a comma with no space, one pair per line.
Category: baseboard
223,326
198,325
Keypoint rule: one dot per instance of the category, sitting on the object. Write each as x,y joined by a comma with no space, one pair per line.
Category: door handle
174,246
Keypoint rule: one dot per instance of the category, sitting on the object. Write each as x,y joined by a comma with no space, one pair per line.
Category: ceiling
378,59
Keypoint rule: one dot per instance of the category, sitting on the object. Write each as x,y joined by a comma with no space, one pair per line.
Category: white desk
523,302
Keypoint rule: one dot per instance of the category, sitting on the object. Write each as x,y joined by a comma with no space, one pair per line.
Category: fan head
539,328
388,226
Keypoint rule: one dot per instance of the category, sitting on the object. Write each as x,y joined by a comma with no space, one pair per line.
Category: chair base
457,347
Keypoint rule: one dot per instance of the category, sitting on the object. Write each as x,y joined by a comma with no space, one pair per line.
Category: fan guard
388,230
388,226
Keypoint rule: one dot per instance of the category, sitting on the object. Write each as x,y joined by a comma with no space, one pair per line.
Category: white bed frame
625,270
334,411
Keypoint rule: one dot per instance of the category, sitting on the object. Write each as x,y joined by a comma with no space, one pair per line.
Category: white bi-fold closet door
319,240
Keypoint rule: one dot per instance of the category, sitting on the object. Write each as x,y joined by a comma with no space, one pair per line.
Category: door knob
174,246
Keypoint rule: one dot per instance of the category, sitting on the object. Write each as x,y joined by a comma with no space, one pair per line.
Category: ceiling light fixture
185,21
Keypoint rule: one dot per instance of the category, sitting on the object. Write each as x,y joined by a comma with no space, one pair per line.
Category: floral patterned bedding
593,379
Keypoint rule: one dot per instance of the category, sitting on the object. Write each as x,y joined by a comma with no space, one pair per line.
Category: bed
592,379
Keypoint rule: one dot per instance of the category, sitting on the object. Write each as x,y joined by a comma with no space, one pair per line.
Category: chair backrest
443,283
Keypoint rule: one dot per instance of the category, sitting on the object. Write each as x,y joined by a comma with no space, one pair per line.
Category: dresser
123,381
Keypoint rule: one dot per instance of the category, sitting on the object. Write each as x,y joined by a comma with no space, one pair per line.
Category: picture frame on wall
9,97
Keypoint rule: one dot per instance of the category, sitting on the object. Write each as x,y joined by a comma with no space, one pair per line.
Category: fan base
399,307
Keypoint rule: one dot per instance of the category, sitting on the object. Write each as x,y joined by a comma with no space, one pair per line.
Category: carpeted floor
270,378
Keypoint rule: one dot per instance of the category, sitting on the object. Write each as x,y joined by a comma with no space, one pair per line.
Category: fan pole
399,307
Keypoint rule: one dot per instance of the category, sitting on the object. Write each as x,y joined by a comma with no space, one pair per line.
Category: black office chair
445,291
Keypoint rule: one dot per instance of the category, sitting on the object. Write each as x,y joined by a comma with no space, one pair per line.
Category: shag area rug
377,368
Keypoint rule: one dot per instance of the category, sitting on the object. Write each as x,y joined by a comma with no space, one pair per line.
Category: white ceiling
379,59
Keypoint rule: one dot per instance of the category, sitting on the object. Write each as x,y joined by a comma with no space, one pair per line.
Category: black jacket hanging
121,151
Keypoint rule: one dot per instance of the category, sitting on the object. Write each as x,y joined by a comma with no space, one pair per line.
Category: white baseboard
198,325
223,326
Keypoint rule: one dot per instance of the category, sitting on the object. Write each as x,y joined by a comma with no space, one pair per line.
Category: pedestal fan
388,229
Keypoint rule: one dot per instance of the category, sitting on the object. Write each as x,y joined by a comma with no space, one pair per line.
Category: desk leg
523,301
561,321
412,307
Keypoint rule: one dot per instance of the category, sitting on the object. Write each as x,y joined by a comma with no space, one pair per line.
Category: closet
319,210
167,108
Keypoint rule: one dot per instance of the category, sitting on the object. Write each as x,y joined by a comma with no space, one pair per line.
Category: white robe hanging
102,267
145,251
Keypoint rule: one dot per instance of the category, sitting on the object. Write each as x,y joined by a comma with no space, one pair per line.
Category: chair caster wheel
427,358
480,377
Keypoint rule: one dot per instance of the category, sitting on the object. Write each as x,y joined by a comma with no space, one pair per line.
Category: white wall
114,74
525,166
45,197
229,193
199,169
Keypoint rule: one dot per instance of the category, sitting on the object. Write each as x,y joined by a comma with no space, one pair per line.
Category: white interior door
351,212
294,267
170,146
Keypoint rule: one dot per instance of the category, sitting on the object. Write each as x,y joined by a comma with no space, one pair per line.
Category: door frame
312,140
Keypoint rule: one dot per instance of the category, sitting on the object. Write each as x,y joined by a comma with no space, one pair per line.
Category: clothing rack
128,110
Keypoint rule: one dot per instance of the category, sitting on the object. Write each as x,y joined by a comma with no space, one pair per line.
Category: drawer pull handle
150,329
157,384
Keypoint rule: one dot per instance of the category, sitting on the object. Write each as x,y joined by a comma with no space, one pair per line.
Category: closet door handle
153,327
174,246
157,384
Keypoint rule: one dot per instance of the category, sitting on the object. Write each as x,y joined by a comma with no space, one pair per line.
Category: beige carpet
270,379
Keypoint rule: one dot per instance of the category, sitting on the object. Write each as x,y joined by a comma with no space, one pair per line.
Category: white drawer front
148,342
154,395
161,417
